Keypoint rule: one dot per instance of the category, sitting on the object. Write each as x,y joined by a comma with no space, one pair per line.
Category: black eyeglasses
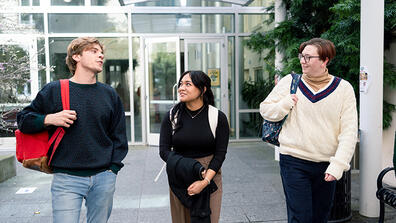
306,57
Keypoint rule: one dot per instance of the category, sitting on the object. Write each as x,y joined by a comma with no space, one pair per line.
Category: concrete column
280,16
371,57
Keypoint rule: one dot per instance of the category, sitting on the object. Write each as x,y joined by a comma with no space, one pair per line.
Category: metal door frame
153,138
223,66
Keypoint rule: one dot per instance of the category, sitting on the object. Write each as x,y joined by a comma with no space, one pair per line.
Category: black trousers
308,196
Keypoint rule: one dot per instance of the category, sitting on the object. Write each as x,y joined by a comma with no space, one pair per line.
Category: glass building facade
148,44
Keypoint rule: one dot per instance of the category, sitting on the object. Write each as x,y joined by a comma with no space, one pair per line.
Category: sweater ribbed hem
80,173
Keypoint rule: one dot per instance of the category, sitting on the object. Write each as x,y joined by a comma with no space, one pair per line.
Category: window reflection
58,52
15,72
252,77
30,2
115,72
254,23
41,61
250,124
179,23
128,127
138,72
231,85
260,3
87,23
254,84
21,23
161,77
116,68
182,3
67,2
106,2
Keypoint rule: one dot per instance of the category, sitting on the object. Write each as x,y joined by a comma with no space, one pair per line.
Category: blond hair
77,46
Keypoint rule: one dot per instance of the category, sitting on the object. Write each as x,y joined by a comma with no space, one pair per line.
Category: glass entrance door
209,55
162,56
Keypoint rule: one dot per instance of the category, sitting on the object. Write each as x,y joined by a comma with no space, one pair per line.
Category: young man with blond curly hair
89,156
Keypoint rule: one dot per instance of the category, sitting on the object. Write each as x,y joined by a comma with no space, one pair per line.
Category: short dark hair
326,48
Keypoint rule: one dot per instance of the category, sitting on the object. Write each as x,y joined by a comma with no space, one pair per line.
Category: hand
63,118
196,187
295,98
203,173
329,177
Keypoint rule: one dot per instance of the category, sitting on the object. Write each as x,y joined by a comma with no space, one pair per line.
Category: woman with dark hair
186,129
318,138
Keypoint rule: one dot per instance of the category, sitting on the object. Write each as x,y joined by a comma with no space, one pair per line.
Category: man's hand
63,118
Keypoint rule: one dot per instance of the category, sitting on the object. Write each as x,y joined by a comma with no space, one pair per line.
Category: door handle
173,93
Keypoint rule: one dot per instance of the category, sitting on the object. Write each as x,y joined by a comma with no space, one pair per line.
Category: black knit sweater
96,141
194,139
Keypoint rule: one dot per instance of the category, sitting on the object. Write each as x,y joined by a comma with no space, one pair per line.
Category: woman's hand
197,187
203,174
329,177
294,98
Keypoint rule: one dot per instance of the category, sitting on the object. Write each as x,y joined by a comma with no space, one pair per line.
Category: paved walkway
251,184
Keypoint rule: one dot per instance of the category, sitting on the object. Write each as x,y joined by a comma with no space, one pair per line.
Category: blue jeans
309,197
68,192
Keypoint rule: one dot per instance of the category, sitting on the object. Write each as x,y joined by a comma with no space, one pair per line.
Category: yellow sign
214,75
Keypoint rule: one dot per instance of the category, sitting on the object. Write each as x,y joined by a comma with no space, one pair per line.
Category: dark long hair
200,80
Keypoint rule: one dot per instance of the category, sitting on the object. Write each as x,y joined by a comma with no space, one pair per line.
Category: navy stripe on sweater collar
319,96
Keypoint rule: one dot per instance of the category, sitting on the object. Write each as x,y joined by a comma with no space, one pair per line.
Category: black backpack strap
294,83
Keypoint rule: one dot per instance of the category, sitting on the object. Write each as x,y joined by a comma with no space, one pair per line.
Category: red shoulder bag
32,149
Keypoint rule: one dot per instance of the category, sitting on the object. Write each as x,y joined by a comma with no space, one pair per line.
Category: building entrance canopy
236,2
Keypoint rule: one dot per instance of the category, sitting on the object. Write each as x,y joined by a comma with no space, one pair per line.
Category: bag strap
60,132
294,83
65,94
174,122
213,115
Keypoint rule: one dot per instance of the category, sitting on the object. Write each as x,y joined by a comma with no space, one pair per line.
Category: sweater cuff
39,121
335,170
287,103
115,168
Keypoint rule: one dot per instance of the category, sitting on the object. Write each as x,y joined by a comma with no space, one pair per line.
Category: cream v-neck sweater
322,126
